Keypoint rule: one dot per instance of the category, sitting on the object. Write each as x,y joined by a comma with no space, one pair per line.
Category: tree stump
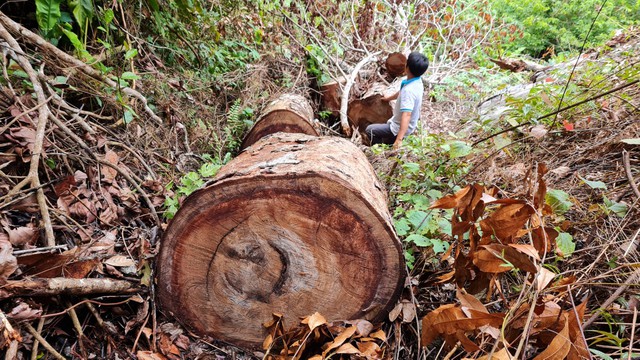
330,96
288,113
294,225
396,63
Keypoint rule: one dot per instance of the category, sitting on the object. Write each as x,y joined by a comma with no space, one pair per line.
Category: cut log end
396,63
294,225
288,113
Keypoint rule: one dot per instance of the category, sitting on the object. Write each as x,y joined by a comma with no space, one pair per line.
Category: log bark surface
294,225
288,113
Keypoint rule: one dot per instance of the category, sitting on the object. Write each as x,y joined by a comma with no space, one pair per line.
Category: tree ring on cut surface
281,230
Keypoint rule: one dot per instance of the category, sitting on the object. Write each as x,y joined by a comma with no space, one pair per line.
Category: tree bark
294,225
60,286
289,113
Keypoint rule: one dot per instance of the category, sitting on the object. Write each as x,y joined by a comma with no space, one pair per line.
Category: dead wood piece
396,63
73,63
44,342
60,286
627,169
370,109
288,113
344,98
294,225
517,65
331,93
33,177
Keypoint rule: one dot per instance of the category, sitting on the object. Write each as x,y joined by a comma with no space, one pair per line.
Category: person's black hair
417,63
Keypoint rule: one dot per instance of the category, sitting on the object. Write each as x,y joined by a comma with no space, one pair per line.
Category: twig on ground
44,342
59,286
633,278
78,327
36,343
33,177
627,169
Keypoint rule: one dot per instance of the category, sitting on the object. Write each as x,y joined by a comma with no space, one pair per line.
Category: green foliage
429,166
559,201
562,25
191,182
565,245
617,208
47,14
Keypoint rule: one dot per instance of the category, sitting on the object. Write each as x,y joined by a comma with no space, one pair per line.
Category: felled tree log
370,109
294,225
331,93
288,113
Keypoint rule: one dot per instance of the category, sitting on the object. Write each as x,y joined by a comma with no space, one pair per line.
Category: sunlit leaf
565,244
419,240
459,149
594,184
559,201
47,14
635,141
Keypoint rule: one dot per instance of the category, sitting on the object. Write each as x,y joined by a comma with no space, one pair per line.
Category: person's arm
404,126
391,97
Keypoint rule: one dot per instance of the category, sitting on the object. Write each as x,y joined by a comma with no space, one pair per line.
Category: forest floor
105,177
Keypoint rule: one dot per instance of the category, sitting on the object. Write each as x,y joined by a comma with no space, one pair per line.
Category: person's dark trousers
380,134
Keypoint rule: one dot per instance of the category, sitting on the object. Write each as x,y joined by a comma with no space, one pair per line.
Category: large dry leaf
340,339
23,235
579,348
363,327
470,301
544,239
8,262
527,249
451,201
370,349
493,259
544,278
506,222
450,319
559,347
314,320
150,355
121,261
347,349
109,173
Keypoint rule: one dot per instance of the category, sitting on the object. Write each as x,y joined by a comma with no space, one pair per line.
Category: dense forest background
112,112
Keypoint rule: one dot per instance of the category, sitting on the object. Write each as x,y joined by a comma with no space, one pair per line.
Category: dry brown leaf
544,278
544,239
395,312
120,261
369,349
408,311
150,355
380,335
579,348
470,301
8,262
347,349
108,173
363,327
538,131
314,320
340,339
449,320
505,222
527,249
23,235
450,201
559,347
24,312
491,259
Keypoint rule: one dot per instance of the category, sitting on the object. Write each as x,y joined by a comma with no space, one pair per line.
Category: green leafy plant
191,182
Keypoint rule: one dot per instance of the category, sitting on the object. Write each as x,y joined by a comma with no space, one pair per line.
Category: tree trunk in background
294,225
288,113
